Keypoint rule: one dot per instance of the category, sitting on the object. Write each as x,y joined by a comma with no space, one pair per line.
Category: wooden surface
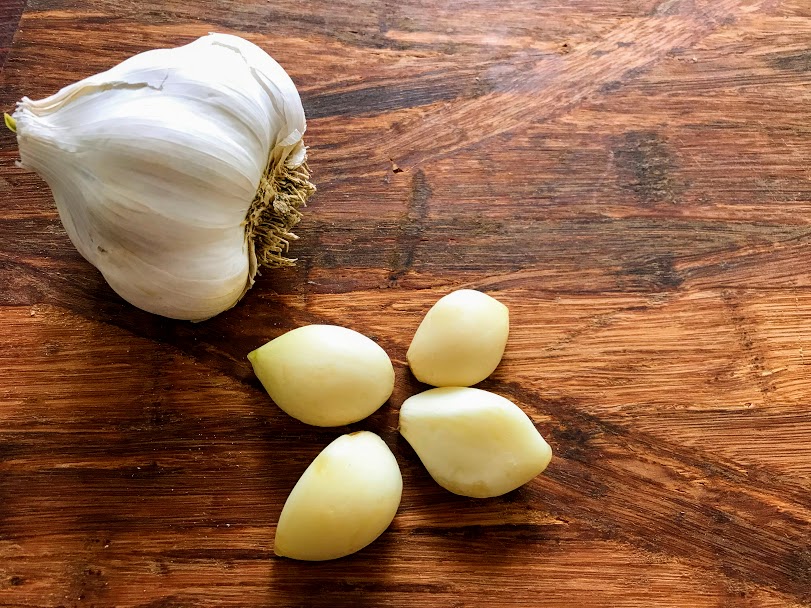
631,177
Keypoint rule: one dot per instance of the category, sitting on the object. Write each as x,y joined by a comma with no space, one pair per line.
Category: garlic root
274,212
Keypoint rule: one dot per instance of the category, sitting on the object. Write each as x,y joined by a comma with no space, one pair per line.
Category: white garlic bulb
176,173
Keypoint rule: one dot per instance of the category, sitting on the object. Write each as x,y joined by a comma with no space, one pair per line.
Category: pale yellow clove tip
11,124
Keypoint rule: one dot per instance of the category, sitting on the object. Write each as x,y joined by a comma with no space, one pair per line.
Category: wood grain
631,178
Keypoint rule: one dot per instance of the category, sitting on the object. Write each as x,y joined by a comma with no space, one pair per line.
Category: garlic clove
177,172
473,442
461,340
345,499
324,375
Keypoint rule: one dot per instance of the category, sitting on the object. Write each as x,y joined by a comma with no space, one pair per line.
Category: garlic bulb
177,173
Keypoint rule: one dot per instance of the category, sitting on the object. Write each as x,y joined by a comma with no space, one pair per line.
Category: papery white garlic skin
461,339
345,499
154,164
324,375
473,442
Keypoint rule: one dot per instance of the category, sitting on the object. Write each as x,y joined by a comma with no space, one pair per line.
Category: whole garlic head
177,172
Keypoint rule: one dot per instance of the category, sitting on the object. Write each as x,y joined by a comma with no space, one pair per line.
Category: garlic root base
274,212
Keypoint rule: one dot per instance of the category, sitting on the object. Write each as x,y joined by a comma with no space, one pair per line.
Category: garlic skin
175,173
345,499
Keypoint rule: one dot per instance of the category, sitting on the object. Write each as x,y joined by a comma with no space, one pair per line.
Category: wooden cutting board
632,178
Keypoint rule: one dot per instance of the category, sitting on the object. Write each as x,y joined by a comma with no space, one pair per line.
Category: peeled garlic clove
461,340
473,442
345,499
177,172
325,375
